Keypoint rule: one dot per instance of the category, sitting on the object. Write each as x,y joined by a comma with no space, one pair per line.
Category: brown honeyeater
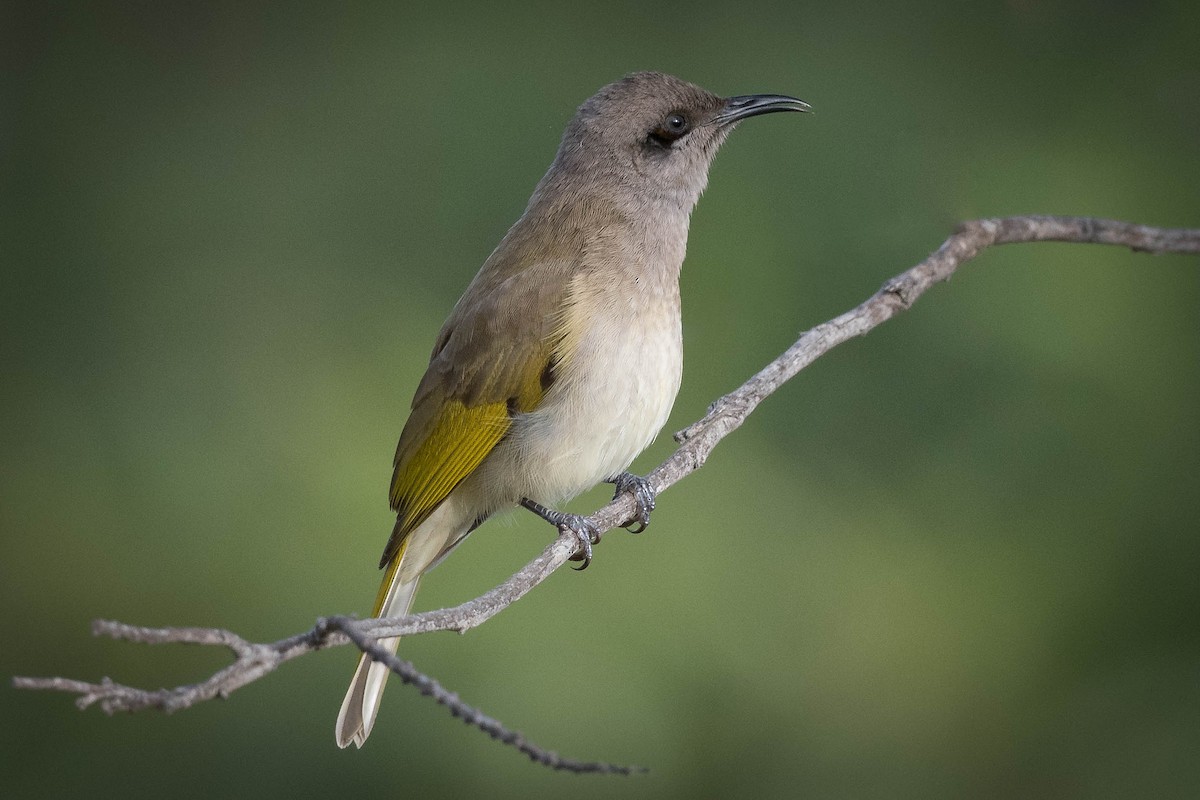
560,362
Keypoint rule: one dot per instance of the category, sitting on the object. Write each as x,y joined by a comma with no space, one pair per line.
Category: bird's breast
620,369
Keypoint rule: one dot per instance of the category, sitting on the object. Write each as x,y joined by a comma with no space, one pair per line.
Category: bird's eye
671,128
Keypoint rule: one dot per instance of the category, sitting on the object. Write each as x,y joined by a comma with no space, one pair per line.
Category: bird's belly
607,406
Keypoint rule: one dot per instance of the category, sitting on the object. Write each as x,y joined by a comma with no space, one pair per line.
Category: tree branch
253,661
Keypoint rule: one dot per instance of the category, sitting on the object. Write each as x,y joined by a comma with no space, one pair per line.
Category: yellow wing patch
440,453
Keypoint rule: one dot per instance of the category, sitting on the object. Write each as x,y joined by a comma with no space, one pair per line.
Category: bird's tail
361,705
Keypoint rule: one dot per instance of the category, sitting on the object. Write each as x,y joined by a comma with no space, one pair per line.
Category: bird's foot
583,531
643,494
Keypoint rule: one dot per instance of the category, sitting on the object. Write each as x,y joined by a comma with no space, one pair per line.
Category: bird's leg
643,494
574,524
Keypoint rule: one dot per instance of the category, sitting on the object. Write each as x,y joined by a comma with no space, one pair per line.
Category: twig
468,714
252,661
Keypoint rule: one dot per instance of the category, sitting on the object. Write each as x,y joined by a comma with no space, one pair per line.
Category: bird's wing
495,357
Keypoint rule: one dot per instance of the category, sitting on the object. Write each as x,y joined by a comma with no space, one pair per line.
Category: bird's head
656,135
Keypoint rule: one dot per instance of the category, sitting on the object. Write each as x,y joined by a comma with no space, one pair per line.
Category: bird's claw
643,495
585,533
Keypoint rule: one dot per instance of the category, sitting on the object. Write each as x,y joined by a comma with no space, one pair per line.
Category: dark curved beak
751,105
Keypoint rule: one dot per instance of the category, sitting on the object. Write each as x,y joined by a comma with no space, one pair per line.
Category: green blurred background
957,558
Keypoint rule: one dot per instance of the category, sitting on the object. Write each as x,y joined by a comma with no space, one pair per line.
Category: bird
562,359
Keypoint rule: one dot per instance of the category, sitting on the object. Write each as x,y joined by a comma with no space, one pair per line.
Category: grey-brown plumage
562,359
